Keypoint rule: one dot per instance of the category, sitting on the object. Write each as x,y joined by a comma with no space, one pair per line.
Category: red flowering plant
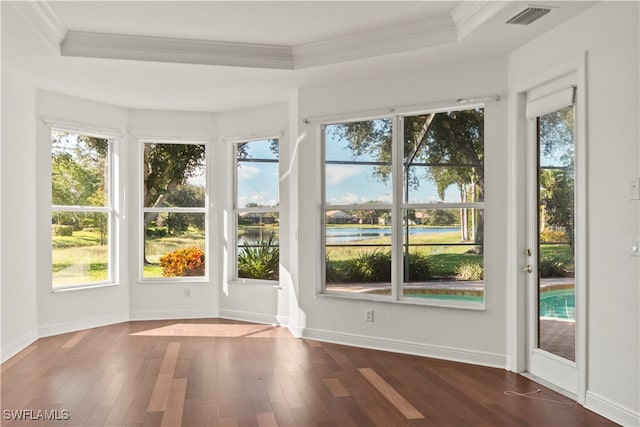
183,262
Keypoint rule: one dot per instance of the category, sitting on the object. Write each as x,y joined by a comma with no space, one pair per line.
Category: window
82,209
174,213
403,207
256,210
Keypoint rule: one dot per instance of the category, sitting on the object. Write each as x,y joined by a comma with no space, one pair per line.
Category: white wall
75,309
167,300
476,336
250,300
608,33
29,309
19,261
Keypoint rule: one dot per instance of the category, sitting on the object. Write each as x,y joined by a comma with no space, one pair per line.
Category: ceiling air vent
529,15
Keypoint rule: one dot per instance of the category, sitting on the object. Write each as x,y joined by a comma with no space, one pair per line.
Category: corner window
256,209
174,214
82,209
404,207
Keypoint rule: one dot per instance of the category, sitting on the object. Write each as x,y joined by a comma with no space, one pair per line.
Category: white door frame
517,224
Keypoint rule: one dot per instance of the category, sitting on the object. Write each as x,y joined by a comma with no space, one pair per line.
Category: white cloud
353,199
248,172
262,199
336,174
349,199
385,198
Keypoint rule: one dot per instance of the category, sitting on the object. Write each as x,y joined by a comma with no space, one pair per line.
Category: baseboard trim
611,410
78,325
19,344
171,315
492,360
247,316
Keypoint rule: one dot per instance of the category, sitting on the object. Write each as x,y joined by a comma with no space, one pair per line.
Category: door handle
528,269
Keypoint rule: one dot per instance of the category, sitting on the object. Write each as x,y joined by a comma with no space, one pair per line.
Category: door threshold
549,385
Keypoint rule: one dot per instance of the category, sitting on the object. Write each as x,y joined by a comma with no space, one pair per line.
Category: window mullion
396,212
62,208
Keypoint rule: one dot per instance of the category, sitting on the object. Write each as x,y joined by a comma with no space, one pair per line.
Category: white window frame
108,209
235,211
143,210
397,206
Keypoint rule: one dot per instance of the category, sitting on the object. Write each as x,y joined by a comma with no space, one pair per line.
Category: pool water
555,303
443,296
558,304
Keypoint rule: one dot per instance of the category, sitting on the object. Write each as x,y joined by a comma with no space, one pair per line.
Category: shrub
261,261
62,230
552,236
419,267
469,271
156,231
372,266
552,266
333,274
183,262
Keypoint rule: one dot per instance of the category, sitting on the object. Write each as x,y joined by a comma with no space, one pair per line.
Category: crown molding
468,16
381,41
43,19
167,49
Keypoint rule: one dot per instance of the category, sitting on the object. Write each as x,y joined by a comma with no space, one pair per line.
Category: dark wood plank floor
218,372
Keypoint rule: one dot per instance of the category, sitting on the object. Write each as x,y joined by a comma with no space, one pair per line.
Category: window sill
173,281
70,288
255,282
473,306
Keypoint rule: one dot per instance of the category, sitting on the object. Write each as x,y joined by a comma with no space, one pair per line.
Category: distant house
340,217
254,218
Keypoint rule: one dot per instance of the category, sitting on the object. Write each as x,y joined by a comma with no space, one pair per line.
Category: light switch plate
635,246
634,189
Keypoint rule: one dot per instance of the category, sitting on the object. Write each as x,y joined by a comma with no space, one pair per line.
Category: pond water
352,234
340,235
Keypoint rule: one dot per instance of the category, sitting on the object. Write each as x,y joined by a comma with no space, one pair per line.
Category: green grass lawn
79,258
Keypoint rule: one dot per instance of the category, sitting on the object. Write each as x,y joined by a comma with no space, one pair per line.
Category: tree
243,149
78,169
556,178
166,167
446,148
79,177
185,195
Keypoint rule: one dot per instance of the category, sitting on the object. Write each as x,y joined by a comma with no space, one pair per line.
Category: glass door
551,253
555,237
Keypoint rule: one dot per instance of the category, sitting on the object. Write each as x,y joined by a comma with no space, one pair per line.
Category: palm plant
259,261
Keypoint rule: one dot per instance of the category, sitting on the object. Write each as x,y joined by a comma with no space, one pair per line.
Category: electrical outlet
369,315
187,292
634,189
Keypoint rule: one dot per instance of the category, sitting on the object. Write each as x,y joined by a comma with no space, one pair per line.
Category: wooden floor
224,373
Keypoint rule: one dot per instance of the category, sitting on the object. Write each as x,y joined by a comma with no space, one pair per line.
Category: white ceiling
326,42
283,23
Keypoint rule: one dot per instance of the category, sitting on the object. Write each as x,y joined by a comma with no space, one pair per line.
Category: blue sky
349,184
258,182
345,184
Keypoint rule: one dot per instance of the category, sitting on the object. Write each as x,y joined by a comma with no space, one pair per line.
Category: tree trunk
473,214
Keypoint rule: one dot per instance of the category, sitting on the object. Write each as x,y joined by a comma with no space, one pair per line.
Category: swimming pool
558,303
443,294
554,303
